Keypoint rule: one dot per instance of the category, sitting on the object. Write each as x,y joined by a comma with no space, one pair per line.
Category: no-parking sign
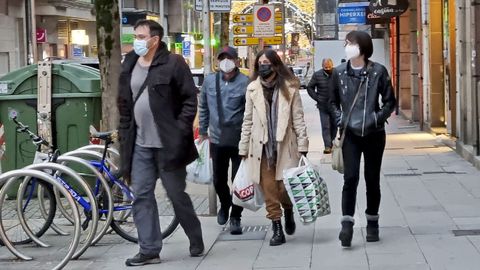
263,20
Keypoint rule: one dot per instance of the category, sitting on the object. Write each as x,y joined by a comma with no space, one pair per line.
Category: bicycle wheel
123,223
38,205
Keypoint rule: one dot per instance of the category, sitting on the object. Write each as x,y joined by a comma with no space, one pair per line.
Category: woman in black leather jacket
364,131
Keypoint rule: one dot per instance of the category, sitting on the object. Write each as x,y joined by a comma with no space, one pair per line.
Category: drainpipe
476,70
460,55
397,63
31,32
426,61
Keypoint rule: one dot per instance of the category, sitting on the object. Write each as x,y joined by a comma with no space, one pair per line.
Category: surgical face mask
264,71
227,65
140,47
352,51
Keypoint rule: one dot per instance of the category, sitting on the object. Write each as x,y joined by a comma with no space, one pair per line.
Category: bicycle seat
105,136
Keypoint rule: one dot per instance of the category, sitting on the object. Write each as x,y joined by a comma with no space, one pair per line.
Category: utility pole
161,12
207,66
207,69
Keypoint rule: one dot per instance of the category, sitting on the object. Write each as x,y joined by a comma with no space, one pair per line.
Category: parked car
198,77
300,72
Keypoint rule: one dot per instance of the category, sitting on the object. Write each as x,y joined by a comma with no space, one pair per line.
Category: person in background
157,102
364,131
319,89
223,128
274,136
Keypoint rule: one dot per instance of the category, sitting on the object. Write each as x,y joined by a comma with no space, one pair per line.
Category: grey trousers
329,129
146,169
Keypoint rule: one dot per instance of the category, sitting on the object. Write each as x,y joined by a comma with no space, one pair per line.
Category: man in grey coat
222,104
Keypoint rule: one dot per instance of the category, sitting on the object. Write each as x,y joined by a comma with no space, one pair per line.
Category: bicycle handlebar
37,140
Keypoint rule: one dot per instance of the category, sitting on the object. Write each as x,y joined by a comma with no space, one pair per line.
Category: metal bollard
212,200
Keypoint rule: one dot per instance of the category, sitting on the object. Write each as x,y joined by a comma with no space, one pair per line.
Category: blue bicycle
113,196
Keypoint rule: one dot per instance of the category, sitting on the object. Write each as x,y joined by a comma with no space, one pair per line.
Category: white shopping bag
246,193
200,170
307,191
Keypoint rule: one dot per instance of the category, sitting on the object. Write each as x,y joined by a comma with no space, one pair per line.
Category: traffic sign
263,20
248,18
186,48
248,29
247,41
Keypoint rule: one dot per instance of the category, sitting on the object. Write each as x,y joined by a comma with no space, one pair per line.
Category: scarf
271,105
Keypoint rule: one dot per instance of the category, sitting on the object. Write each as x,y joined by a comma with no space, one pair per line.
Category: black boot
278,237
372,228
346,234
289,221
235,226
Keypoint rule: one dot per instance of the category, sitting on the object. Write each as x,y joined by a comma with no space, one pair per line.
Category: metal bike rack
100,233
79,154
79,180
8,178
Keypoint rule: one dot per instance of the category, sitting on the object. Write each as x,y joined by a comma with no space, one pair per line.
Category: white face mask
227,65
140,47
352,51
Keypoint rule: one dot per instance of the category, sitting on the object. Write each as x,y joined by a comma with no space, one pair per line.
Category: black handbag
229,133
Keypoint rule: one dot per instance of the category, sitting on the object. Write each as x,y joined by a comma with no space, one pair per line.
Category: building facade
12,36
440,70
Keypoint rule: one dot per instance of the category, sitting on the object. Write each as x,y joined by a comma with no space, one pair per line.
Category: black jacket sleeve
385,89
334,98
311,87
187,92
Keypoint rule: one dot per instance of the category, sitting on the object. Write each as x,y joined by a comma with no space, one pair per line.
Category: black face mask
264,71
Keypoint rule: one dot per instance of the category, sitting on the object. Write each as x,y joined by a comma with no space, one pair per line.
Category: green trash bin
76,104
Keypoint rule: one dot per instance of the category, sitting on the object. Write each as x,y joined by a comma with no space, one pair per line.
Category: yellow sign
246,30
247,41
248,18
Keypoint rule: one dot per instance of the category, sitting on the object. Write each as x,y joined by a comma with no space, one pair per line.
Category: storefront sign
375,19
352,15
215,5
388,8
41,35
77,51
132,18
127,38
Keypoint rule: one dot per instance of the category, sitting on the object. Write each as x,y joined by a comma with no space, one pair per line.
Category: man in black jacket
319,88
157,103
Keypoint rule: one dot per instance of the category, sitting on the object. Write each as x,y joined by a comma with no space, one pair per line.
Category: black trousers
372,147
221,157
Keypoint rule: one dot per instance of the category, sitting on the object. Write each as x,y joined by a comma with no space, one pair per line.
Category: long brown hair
283,75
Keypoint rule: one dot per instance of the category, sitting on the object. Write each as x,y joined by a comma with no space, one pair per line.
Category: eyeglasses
140,37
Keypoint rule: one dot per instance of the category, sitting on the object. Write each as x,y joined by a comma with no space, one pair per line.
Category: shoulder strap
219,99
342,137
142,88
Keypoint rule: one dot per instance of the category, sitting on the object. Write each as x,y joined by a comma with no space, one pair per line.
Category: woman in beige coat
273,136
